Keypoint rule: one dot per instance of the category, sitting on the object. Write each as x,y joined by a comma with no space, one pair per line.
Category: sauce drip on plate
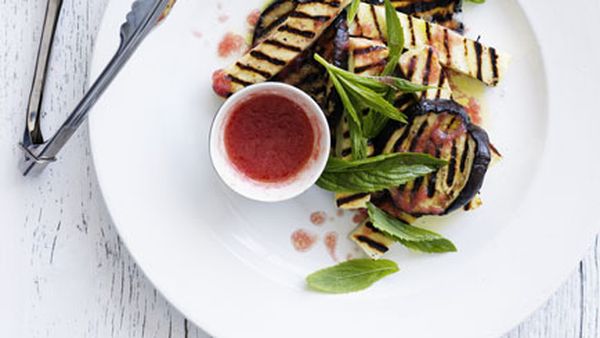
269,138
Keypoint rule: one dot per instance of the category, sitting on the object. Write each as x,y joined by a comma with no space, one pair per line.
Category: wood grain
73,276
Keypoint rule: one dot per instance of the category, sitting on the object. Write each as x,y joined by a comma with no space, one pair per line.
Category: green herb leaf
372,100
345,98
352,10
412,237
395,38
376,173
359,142
403,85
351,276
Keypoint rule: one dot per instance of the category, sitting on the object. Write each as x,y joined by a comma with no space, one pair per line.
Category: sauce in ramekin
269,137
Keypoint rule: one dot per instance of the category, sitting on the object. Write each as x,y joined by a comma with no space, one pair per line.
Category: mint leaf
376,173
412,237
351,276
352,10
395,38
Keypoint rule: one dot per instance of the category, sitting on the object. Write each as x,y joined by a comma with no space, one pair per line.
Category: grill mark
412,31
346,134
466,51
417,185
346,200
494,62
401,139
403,100
428,32
465,155
302,15
431,186
419,7
427,70
272,26
372,243
379,32
264,57
239,81
447,46
310,77
249,68
303,33
367,50
346,152
280,44
415,140
364,68
478,53
335,4
358,36
412,67
452,166
441,84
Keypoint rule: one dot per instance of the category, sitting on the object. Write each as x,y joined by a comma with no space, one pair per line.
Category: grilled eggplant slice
298,32
456,52
441,128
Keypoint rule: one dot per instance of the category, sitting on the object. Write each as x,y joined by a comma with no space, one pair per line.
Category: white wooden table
64,272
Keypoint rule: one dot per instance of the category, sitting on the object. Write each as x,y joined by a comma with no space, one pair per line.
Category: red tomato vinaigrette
270,138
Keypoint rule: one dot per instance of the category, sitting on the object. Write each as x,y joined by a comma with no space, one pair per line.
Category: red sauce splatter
269,138
318,217
223,18
231,44
253,17
303,240
360,216
197,34
221,84
331,239
474,110
340,213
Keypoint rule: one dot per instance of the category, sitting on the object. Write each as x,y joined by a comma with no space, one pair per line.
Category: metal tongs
144,15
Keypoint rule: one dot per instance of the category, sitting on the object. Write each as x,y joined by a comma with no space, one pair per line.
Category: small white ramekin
261,191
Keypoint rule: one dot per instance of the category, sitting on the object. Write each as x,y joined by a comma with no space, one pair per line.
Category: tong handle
140,21
33,131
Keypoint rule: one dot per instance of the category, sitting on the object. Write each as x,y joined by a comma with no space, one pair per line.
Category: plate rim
539,300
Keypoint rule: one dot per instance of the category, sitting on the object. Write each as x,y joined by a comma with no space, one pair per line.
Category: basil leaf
351,276
377,173
412,237
352,10
395,38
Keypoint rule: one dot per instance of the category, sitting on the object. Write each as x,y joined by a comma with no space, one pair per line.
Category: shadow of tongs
144,15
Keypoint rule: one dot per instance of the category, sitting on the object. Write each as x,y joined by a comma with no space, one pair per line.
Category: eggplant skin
483,154
481,164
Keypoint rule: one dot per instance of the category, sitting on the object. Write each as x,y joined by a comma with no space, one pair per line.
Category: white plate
227,263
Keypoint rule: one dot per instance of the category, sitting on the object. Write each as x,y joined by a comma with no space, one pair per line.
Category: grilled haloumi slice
456,52
422,66
297,32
